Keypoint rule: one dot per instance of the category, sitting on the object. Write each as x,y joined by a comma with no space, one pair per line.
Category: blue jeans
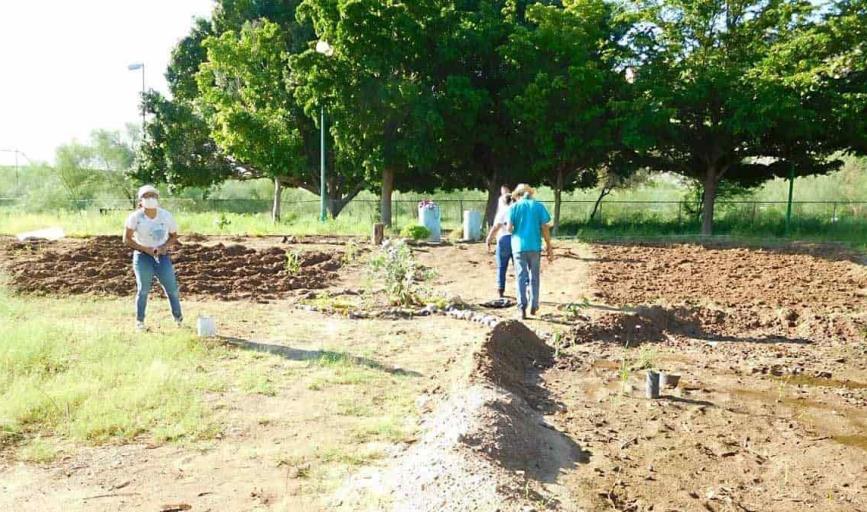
146,267
528,265
504,254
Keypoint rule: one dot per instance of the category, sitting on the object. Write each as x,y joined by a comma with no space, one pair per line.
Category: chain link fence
405,210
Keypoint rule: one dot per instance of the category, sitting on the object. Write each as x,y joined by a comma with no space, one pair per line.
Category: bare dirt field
770,412
225,270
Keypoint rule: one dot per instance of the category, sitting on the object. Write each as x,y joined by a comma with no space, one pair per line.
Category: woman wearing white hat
152,233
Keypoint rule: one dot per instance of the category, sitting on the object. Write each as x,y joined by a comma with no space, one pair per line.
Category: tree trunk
605,192
385,198
558,195
335,206
708,201
278,196
493,200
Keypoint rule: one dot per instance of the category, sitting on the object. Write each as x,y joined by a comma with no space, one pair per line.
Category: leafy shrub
415,232
398,270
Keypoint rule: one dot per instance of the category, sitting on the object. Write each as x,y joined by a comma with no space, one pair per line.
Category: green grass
254,381
851,233
74,369
241,208
38,451
88,223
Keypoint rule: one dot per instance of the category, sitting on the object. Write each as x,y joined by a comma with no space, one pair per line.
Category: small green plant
624,373
646,358
351,253
415,232
781,388
293,262
222,222
559,343
440,300
398,270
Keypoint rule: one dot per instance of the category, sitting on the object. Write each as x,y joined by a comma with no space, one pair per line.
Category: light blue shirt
527,217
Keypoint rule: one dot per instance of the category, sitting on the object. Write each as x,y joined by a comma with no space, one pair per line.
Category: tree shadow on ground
297,354
686,401
573,256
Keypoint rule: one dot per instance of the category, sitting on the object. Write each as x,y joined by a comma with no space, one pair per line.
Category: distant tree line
442,94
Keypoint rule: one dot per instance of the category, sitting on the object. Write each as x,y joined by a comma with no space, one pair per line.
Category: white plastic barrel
430,218
206,326
472,225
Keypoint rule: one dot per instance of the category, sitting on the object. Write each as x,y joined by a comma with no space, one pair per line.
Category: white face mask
150,203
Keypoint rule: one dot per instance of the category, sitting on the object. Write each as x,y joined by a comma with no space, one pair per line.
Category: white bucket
206,326
472,225
430,218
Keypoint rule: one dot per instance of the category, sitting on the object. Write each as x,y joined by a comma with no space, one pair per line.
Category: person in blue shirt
529,222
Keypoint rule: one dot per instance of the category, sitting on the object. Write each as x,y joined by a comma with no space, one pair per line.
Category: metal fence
405,210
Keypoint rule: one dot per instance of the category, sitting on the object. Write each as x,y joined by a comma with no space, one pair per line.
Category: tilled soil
102,265
727,294
769,414
737,278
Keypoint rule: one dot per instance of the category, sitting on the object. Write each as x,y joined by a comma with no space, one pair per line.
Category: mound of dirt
486,446
509,353
101,265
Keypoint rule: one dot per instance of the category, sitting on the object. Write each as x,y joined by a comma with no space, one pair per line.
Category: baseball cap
145,189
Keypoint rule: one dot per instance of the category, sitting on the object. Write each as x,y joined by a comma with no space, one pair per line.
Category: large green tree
233,112
482,145
376,86
719,103
564,77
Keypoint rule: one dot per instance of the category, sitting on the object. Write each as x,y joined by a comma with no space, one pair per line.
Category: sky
63,66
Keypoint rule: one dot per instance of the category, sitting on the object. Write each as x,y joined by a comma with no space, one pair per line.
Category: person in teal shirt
529,223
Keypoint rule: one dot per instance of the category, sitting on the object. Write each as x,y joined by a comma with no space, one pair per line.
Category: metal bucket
652,385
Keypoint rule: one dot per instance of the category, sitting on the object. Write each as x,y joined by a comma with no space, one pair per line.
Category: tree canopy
441,94
724,101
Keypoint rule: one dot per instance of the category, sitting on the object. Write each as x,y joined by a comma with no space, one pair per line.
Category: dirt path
469,271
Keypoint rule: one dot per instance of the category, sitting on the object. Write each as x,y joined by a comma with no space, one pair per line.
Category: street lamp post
134,67
327,50
16,153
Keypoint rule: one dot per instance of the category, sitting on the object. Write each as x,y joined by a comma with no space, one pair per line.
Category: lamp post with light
327,50
135,67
